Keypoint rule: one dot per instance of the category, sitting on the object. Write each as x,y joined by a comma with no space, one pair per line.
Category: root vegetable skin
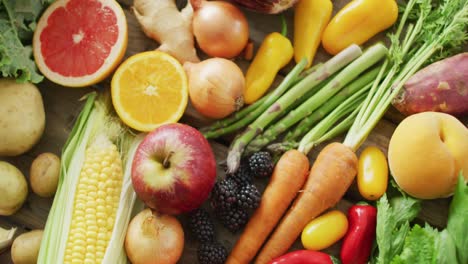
288,177
330,176
20,102
44,174
267,6
25,248
441,87
13,189
163,22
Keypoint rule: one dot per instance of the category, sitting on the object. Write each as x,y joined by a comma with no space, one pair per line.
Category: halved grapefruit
79,42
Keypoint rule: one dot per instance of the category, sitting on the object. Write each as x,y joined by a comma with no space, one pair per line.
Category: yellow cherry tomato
372,175
325,230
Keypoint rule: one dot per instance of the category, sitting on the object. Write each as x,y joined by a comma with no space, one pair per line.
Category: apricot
426,153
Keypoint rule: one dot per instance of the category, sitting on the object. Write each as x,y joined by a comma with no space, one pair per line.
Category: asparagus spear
316,132
352,104
331,66
371,56
338,129
328,106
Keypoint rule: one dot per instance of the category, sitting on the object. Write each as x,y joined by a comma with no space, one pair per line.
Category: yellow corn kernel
95,205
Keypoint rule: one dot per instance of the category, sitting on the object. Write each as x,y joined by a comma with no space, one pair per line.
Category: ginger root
171,28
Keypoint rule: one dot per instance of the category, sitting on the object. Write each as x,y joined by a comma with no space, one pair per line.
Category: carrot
288,177
329,178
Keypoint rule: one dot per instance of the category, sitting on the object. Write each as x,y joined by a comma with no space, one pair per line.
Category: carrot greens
427,31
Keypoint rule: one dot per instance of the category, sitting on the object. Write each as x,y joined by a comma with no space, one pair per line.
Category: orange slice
80,42
149,89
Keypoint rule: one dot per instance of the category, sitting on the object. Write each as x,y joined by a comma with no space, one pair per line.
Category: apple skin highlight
174,169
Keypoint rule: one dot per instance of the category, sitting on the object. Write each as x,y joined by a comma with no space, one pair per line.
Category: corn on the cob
94,200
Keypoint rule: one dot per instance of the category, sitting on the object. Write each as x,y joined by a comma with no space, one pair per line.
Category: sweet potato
442,87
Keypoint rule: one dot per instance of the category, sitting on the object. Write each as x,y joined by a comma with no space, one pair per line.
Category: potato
44,174
22,117
426,153
25,248
13,188
441,87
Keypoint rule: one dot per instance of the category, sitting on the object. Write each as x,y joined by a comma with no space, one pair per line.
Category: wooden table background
62,106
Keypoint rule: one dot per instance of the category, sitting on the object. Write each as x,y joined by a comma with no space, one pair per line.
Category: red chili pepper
357,243
304,257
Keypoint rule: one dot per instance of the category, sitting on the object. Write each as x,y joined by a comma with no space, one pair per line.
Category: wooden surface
63,104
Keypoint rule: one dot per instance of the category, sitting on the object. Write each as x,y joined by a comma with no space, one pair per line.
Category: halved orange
149,89
80,42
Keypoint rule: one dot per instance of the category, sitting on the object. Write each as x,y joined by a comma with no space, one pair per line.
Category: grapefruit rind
125,116
115,56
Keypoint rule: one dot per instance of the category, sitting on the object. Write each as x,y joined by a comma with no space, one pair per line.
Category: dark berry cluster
223,195
212,253
233,219
202,226
261,164
248,197
233,197
242,176
209,251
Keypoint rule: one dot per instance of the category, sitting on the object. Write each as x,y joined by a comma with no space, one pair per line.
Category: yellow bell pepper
357,22
310,19
275,52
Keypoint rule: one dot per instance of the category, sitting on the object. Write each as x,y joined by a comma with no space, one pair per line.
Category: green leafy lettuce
393,218
457,225
17,23
418,247
398,242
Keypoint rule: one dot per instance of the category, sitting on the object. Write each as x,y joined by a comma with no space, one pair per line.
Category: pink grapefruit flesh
79,42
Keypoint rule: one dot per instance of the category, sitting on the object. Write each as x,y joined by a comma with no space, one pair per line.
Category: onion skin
267,6
220,28
216,87
154,239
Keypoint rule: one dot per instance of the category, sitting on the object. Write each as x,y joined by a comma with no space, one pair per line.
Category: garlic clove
6,237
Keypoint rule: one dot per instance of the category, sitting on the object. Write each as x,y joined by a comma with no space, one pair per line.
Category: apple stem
166,162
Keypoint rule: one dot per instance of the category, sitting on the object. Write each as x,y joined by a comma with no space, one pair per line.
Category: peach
426,153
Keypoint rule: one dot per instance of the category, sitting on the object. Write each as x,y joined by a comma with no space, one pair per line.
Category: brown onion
220,28
216,87
154,239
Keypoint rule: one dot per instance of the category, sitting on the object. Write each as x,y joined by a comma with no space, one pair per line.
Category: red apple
174,169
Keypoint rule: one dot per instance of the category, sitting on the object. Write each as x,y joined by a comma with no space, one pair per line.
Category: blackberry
242,176
202,226
212,253
248,197
234,219
261,164
223,195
